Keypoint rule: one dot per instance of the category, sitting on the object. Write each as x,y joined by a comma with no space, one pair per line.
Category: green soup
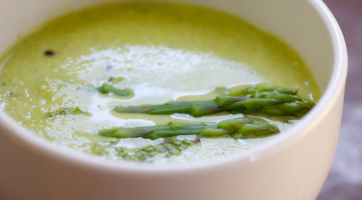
160,52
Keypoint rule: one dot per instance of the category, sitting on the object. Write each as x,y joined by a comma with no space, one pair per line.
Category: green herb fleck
65,111
170,147
107,89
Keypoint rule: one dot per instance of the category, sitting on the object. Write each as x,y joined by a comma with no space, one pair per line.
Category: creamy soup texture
159,52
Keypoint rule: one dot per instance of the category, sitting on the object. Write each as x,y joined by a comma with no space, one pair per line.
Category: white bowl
293,165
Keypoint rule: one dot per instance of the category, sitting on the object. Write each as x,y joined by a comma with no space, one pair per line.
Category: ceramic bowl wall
291,166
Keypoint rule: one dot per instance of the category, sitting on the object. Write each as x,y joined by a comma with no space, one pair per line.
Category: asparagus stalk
126,133
257,129
270,101
242,128
171,133
196,109
235,123
154,132
256,90
214,132
199,110
225,100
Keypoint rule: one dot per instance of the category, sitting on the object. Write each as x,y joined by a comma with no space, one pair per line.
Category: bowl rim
23,137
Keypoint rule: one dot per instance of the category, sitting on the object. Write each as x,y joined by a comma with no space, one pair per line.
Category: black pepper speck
49,53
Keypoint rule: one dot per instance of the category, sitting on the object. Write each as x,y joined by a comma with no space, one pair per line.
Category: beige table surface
344,181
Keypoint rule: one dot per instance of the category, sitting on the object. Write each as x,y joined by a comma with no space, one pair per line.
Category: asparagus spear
126,133
106,89
270,101
235,123
225,100
256,129
154,132
256,90
215,132
237,126
199,110
196,109
171,133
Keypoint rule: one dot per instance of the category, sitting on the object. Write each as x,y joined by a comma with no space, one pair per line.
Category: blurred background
344,181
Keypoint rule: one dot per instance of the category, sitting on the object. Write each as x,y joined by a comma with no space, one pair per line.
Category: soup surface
159,52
